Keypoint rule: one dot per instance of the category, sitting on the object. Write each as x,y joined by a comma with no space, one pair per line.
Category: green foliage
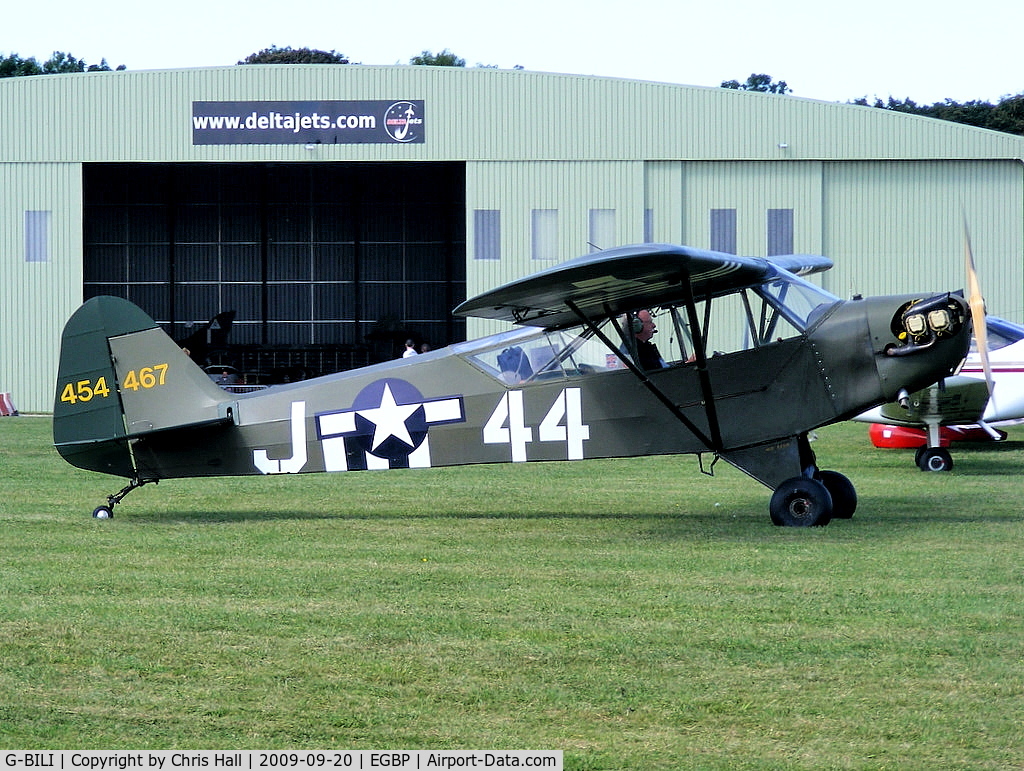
59,63
289,55
1006,116
632,613
443,59
759,82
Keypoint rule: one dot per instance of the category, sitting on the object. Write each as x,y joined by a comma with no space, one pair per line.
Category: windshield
1001,333
801,302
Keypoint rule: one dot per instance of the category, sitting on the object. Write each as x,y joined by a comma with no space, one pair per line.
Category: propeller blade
977,305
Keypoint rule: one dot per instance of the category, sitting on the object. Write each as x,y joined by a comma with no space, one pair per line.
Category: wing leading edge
625,279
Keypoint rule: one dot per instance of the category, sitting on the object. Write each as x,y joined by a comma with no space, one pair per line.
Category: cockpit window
801,302
526,358
782,308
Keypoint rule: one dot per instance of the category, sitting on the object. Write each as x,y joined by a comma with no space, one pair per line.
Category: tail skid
121,377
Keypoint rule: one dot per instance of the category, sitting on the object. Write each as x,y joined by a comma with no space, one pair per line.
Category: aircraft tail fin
120,376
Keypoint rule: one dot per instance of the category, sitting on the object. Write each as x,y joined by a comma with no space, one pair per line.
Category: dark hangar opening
349,258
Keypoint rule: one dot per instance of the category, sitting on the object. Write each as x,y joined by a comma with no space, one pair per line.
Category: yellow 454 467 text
134,379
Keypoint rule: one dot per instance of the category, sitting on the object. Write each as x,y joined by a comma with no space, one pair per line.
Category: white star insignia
389,419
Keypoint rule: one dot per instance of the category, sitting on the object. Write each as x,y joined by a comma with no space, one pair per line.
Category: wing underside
958,401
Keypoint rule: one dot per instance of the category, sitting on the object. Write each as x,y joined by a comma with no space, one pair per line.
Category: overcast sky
836,51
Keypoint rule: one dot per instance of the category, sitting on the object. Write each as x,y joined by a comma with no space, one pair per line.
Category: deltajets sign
321,122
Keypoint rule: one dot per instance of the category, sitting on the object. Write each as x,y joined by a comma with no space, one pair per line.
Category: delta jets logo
386,427
404,122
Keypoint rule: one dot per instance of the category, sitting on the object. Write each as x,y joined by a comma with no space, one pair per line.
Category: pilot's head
647,326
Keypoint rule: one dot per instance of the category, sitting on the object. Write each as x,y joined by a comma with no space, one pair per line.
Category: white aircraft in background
962,407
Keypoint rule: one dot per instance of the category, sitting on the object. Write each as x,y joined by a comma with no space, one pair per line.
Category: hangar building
327,203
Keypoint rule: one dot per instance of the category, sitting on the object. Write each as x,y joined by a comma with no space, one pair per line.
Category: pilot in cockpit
647,354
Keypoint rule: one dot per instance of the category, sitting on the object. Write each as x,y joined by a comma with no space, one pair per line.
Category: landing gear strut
107,511
814,498
933,456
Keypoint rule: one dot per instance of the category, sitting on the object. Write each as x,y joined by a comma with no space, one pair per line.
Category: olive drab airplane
752,357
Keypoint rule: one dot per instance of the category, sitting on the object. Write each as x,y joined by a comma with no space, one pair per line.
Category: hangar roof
476,114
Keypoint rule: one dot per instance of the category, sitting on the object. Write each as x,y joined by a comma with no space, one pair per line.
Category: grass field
634,613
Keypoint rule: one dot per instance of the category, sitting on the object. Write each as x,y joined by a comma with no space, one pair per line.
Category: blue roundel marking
390,419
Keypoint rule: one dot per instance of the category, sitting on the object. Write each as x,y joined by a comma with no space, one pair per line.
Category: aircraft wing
960,401
625,279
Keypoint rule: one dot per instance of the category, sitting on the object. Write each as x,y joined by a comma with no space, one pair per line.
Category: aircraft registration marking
562,423
85,390
142,378
145,377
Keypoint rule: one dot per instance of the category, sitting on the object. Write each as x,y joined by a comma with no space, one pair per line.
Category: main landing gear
814,500
107,511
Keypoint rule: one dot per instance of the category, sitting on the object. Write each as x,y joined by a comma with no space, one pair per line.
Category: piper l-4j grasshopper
571,383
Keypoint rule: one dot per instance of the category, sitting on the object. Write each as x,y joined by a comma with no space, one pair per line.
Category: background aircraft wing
624,279
959,401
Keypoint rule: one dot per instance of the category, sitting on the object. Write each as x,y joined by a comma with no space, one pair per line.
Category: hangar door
342,254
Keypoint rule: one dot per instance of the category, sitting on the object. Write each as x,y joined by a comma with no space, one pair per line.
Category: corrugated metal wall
35,295
899,227
879,192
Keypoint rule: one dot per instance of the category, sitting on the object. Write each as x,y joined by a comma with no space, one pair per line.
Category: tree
759,82
444,59
12,66
289,55
59,63
1007,116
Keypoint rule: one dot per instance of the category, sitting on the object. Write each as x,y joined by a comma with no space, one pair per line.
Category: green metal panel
899,226
471,114
36,298
573,189
752,189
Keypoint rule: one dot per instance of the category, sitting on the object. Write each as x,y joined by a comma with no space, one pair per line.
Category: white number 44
562,423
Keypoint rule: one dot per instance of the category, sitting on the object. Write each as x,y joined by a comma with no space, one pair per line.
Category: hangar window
780,231
723,230
602,229
487,234
37,236
544,234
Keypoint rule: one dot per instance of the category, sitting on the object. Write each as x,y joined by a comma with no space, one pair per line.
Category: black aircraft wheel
935,459
844,496
103,512
801,502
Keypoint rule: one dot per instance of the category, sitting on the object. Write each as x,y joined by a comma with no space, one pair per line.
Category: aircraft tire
103,512
801,502
935,459
844,495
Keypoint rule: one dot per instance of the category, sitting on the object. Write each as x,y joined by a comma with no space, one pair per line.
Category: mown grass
632,613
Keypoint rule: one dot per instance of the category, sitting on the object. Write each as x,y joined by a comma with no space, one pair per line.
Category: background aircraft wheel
844,496
935,459
103,512
801,502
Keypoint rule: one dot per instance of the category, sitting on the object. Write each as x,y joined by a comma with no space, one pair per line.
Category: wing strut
701,361
646,381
